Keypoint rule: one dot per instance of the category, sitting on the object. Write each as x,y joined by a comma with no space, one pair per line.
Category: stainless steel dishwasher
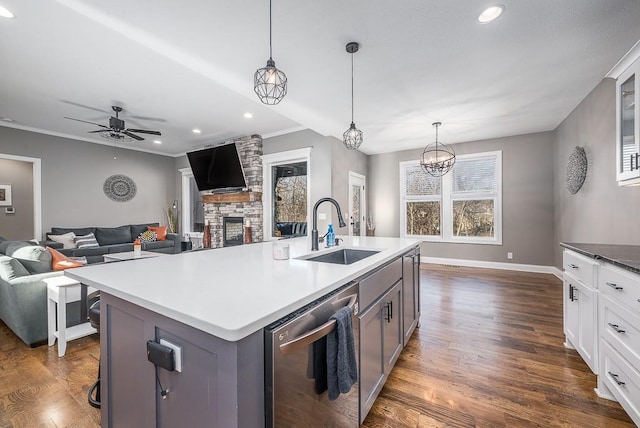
294,391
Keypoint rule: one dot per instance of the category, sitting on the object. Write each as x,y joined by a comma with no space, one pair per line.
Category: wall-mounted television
217,169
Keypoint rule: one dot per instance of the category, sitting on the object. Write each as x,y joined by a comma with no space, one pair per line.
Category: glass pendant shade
352,137
270,84
437,159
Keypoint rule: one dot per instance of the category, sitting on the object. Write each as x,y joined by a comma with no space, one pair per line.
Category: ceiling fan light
352,138
270,84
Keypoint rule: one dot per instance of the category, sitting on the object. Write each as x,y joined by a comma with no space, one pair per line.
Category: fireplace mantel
229,198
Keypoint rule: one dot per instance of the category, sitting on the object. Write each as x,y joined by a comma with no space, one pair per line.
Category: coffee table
129,255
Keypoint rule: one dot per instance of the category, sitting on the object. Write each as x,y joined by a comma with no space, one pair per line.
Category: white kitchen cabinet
620,337
580,305
627,78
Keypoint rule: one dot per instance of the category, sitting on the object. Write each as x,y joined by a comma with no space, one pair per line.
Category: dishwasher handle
309,337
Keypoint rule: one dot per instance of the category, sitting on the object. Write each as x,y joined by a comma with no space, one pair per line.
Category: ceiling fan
116,129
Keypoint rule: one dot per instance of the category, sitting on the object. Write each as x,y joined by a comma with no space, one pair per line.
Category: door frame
268,162
37,190
355,178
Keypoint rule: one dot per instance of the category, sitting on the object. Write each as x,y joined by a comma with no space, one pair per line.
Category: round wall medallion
119,188
576,170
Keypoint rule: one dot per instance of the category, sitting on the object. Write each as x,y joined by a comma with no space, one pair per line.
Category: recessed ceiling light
6,13
248,115
196,131
490,14
157,142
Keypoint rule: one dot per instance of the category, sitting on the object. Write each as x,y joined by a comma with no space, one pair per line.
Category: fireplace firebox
232,230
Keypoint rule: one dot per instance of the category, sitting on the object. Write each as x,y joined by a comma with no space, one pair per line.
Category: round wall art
119,188
576,170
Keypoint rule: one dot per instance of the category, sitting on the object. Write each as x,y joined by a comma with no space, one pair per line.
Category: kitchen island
214,304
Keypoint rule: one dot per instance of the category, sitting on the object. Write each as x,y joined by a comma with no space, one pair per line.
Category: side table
60,291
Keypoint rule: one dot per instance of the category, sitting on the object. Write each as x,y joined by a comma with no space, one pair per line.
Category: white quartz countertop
232,292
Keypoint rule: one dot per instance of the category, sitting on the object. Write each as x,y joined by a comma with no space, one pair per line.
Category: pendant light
352,138
437,159
269,83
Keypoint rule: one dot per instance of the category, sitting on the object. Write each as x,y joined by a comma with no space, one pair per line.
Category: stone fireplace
244,205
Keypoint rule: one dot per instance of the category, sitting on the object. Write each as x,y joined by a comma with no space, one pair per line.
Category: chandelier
352,138
437,159
269,83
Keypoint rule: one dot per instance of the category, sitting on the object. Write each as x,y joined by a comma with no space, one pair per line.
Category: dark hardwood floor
489,353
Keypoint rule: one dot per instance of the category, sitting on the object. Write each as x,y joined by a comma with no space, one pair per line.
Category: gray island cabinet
214,304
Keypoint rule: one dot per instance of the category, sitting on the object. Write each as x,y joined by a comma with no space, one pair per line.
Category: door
587,322
357,205
392,326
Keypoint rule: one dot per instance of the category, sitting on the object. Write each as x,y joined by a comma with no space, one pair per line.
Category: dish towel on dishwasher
342,371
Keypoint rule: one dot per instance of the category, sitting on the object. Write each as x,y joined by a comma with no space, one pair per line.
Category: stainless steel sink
344,256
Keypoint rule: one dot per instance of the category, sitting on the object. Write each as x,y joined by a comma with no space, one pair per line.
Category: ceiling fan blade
129,134
144,131
98,130
85,121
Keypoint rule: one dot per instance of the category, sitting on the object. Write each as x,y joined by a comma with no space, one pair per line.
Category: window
463,206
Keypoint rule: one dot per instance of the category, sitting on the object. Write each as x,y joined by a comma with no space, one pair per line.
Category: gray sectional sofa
113,240
23,293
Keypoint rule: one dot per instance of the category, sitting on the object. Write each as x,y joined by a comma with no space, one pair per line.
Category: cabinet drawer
622,380
621,327
621,285
582,267
374,285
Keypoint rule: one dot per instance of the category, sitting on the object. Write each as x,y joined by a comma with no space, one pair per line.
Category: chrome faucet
314,231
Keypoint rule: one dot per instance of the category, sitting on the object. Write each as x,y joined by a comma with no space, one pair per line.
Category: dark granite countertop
624,256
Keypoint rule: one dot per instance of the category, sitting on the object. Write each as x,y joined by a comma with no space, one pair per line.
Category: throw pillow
148,236
11,268
82,259
86,241
35,259
67,240
62,262
161,232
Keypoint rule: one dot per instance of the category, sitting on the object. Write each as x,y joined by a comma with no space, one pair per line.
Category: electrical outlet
322,216
509,255
177,352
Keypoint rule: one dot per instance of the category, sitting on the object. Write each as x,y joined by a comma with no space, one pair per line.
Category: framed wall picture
5,194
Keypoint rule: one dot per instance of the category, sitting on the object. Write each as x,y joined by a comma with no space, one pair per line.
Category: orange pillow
62,262
161,232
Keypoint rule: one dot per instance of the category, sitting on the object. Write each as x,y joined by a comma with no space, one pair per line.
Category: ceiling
175,66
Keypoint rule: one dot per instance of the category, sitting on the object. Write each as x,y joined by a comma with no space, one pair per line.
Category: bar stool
94,319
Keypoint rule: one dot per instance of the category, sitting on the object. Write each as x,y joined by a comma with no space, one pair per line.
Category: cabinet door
587,344
409,315
627,146
371,360
392,337
570,307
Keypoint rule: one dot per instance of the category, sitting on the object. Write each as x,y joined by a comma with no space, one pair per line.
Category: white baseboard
494,265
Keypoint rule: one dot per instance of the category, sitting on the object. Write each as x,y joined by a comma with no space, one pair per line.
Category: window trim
447,198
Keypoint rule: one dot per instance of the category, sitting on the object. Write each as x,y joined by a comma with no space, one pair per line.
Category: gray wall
19,175
527,200
320,168
601,212
344,160
73,173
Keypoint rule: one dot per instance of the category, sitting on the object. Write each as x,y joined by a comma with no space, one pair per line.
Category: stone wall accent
250,151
